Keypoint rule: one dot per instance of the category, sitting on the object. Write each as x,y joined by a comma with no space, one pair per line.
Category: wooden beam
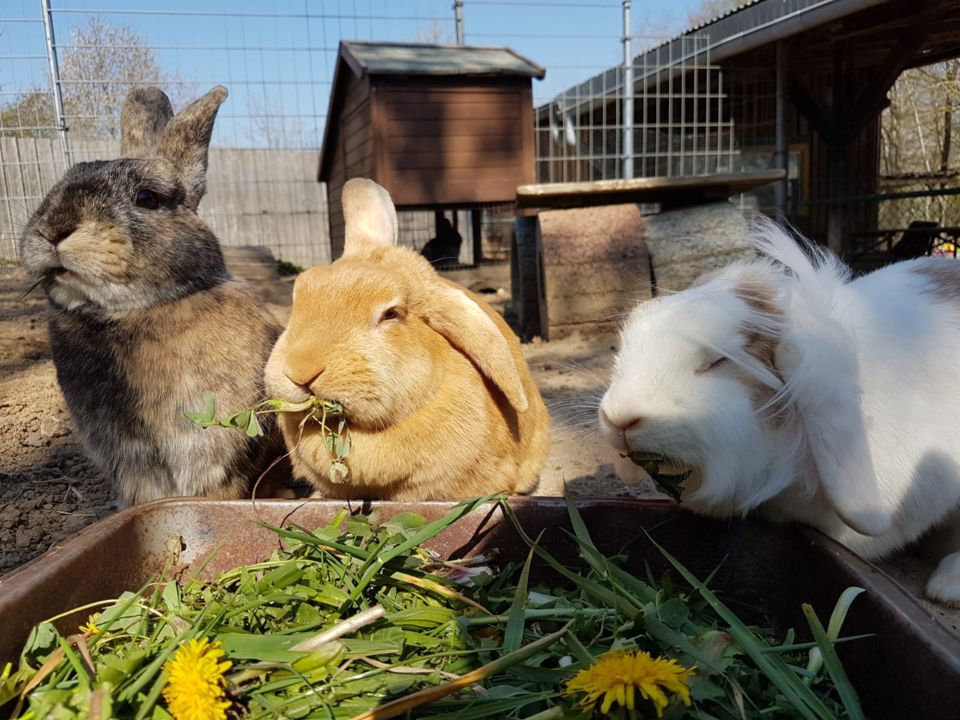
476,231
527,278
870,98
816,113
673,191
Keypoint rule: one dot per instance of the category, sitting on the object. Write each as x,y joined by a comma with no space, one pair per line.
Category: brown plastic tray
910,669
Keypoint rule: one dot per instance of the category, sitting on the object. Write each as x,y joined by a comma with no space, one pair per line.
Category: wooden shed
440,127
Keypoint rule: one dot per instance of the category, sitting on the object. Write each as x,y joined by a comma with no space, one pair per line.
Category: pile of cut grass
359,620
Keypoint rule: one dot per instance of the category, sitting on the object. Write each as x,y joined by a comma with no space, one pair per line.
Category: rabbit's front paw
944,585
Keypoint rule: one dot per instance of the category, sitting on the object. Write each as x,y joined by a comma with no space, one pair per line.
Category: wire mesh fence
672,110
276,57
660,115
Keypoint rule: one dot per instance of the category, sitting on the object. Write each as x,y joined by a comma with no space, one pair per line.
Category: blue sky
277,56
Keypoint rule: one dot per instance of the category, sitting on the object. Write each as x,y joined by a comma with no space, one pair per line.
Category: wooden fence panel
268,198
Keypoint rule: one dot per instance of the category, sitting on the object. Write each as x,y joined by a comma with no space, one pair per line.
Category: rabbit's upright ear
186,141
144,115
453,314
369,217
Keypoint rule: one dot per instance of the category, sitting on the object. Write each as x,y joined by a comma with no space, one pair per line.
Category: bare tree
272,129
710,10
917,149
436,33
100,66
30,115
917,128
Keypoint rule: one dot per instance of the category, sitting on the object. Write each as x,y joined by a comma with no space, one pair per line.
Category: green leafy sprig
328,415
668,484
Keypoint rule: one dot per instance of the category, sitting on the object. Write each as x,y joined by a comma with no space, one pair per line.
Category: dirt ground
49,490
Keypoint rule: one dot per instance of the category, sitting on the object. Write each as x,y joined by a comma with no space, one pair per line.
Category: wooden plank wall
454,141
351,141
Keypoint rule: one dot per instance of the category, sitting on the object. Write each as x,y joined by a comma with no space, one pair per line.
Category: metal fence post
627,92
458,15
55,80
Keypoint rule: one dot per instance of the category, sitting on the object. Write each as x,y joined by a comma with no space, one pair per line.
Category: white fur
859,437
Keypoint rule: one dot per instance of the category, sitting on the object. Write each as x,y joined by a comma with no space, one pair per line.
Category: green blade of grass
556,614
594,589
840,610
403,706
837,617
427,532
82,677
848,696
643,592
513,634
795,647
480,709
799,695
616,599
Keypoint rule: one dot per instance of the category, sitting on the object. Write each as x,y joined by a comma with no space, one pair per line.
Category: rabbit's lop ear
369,217
468,328
836,435
144,115
186,140
850,485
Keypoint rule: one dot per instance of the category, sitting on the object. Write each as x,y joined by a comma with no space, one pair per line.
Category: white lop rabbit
784,386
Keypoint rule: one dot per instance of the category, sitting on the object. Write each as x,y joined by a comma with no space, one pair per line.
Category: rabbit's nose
624,423
302,380
55,237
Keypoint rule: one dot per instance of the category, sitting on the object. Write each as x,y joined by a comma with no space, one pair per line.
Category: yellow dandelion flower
195,687
617,676
90,628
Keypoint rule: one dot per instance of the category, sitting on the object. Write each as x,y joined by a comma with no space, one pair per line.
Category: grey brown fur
142,121
144,317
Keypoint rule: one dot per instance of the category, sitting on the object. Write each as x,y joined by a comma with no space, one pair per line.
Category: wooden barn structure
440,127
792,84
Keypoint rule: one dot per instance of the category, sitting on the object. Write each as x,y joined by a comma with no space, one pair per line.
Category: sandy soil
49,490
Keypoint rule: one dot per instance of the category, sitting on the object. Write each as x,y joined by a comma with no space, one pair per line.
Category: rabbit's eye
391,313
148,199
711,364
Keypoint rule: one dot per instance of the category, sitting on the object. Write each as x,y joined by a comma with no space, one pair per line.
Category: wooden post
476,230
837,210
527,279
842,139
780,152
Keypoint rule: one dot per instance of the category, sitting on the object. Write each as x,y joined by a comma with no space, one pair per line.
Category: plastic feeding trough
908,667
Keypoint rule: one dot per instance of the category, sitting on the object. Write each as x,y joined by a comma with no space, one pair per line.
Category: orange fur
439,401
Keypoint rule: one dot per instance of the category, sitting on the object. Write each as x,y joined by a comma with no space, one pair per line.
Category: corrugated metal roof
735,9
417,59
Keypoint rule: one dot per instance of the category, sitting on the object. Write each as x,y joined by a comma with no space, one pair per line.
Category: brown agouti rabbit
144,317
